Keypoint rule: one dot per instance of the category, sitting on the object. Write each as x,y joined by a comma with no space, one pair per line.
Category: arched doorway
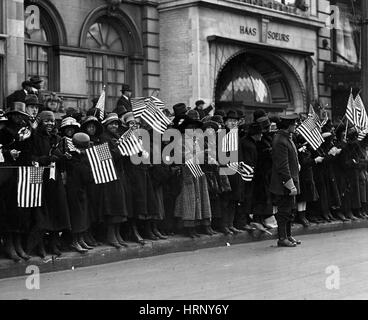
250,81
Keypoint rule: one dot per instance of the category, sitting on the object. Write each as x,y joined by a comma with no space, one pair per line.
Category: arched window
249,81
106,62
40,37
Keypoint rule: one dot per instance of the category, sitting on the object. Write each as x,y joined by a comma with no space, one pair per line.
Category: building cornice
240,7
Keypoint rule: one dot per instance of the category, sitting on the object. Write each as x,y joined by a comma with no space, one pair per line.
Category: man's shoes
286,243
293,240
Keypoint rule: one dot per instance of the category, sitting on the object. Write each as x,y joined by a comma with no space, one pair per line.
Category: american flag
158,103
129,144
310,130
30,187
350,109
69,144
138,106
195,169
246,172
230,141
361,121
101,104
155,117
102,165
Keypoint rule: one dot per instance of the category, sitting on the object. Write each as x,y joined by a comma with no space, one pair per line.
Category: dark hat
220,112
92,119
193,114
199,102
254,128
210,124
46,115
81,140
180,109
18,107
26,83
2,116
35,80
111,117
240,113
264,122
231,115
32,100
218,119
125,87
259,114
289,117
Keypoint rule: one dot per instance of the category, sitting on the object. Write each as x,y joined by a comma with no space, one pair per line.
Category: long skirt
193,203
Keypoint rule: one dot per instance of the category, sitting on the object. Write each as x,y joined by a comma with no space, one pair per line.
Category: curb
105,254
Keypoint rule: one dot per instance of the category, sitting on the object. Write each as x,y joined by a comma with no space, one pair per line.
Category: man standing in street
285,178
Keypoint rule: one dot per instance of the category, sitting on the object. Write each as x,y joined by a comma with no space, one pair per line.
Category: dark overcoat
285,164
55,210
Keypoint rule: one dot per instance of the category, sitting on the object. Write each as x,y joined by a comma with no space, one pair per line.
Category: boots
111,236
148,231
118,236
19,248
54,244
82,243
301,219
289,236
350,216
89,239
33,239
356,213
136,237
76,245
338,214
190,232
10,249
156,232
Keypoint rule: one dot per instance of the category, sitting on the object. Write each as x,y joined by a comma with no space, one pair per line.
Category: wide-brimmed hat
111,117
264,122
127,117
192,119
231,115
69,122
180,109
35,80
32,100
210,124
125,87
17,108
94,120
3,117
81,140
219,119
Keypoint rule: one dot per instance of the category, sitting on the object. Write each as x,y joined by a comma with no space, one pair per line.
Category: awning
339,75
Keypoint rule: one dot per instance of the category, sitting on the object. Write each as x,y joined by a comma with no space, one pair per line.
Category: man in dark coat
285,178
19,95
201,110
124,103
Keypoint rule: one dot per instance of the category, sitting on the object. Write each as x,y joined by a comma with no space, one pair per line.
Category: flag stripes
246,172
101,104
102,165
350,109
155,118
310,130
70,145
129,144
230,141
30,181
158,103
195,169
138,106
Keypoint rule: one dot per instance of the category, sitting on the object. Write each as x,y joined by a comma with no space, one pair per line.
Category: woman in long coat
115,194
55,211
94,129
192,205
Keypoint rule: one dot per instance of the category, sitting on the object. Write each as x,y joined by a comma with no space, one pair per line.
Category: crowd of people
155,201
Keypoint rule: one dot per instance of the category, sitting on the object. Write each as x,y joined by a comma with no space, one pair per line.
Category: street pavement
326,266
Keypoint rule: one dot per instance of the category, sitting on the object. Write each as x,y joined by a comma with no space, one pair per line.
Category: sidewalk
105,254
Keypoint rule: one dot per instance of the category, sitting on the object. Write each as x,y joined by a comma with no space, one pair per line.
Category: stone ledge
105,254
